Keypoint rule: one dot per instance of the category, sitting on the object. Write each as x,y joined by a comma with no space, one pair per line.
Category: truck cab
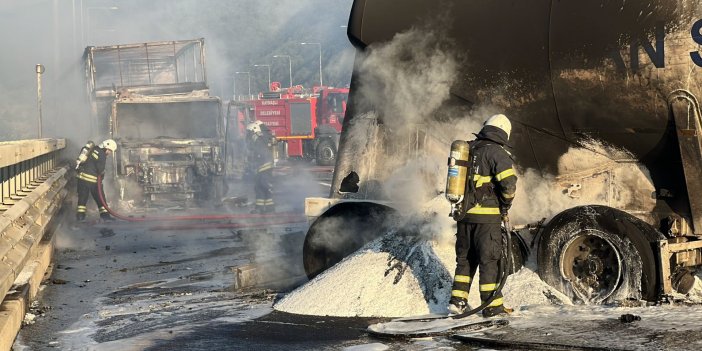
152,98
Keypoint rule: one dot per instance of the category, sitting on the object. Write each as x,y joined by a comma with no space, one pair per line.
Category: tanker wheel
596,254
325,155
519,254
591,263
341,230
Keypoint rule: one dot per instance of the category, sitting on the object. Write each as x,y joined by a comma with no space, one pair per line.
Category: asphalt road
124,286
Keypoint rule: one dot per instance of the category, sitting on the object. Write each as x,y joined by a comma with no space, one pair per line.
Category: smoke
237,34
400,147
409,78
596,174
292,186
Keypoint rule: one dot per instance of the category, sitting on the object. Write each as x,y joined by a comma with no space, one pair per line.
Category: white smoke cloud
238,34
595,174
407,79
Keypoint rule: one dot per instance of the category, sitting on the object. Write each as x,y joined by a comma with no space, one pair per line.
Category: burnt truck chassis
165,171
170,149
153,99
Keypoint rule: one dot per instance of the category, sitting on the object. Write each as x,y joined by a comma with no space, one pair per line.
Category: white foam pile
403,274
372,282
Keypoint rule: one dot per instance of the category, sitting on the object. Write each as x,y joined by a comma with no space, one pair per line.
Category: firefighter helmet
500,121
254,127
109,144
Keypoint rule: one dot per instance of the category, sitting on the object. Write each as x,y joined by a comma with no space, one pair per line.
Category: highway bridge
32,192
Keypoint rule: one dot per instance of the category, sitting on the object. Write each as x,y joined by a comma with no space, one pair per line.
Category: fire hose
289,215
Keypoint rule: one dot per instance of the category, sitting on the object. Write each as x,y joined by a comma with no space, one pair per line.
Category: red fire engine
306,123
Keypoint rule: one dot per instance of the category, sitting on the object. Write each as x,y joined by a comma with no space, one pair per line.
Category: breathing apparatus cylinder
457,173
84,152
275,151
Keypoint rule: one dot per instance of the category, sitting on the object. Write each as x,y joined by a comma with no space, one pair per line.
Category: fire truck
306,122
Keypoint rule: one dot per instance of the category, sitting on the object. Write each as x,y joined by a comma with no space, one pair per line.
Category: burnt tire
325,153
341,230
597,254
519,253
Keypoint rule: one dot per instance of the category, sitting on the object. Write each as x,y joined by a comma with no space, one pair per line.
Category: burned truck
613,81
153,99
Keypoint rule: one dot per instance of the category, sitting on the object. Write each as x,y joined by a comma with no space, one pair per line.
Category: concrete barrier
32,190
24,225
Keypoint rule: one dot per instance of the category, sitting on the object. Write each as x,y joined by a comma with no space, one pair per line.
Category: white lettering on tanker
269,113
269,102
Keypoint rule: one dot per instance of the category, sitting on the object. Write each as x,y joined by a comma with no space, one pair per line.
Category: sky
238,35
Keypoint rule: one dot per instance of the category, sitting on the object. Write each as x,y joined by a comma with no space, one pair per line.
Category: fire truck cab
306,122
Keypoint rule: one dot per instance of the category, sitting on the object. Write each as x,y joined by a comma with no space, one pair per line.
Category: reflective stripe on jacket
494,177
94,166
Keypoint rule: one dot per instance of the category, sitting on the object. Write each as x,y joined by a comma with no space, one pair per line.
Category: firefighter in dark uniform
479,237
88,172
261,157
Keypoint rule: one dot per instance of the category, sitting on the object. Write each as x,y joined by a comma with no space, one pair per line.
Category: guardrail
32,188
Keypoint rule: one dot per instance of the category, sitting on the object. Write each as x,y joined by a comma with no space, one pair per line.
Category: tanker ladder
683,249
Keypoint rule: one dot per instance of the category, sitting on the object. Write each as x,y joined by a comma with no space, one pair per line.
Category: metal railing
32,189
24,165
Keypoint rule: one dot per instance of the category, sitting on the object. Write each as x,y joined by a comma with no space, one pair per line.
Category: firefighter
261,158
88,173
479,236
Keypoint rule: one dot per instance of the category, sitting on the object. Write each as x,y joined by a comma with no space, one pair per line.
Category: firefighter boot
500,311
80,217
106,217
457,305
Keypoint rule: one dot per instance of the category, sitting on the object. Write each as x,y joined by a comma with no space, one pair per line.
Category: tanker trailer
625,74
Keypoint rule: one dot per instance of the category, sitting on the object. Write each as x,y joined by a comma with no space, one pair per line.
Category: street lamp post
269,73
249,75
39,68
321,81
234,87
73,22
289,65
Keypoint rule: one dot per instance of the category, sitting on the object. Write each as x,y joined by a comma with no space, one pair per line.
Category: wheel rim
327,153
592,265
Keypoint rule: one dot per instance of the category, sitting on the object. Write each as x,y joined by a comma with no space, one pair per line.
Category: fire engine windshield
337,102
168,120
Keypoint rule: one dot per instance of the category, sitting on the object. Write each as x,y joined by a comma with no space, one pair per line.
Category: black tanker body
623,72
